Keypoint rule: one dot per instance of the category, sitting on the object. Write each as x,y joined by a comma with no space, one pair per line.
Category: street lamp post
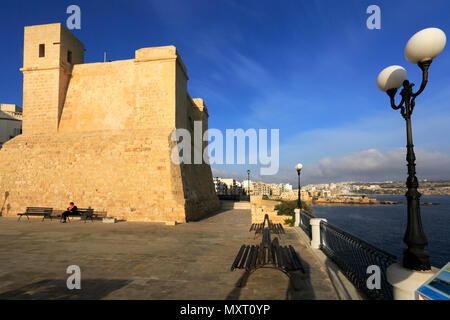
248,182
421,49
299,167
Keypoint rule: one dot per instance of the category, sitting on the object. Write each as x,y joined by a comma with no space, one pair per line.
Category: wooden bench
269,253
276,228
99,215
83,213
87,213
37,211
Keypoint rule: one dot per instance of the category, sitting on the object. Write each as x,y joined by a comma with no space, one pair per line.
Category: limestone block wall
201,198
40,91
100,96
127,173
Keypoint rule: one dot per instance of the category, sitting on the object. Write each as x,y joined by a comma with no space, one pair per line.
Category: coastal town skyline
389,187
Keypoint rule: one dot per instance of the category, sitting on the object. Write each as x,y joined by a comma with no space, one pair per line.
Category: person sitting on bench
71,209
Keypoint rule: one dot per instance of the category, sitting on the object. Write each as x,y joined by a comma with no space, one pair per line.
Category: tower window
69,56
41,50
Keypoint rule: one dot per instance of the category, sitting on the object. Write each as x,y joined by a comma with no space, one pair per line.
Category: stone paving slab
137,260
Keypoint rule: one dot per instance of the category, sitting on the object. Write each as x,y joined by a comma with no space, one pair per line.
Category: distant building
247,186
227,186
326,193
335,193
261,189
304,195
293,195
276,189
288,195
10,122
220,187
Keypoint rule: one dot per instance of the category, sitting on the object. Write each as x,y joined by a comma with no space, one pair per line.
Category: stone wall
260,207
112,146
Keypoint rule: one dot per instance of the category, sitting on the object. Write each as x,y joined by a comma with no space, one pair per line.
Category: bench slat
244,258
238,257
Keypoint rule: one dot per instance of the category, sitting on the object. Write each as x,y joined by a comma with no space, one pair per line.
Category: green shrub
289,222
286,208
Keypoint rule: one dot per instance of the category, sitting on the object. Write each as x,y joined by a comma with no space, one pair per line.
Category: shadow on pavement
91,289
299,287
210,215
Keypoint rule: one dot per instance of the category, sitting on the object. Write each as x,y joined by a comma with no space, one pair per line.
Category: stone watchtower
50,51
101,134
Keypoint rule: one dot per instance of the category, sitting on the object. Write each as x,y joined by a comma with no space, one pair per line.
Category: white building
261,189
326,193
246,184
227,186
221,188
10,122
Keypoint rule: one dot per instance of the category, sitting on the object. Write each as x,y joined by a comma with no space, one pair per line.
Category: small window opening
69,56
41,50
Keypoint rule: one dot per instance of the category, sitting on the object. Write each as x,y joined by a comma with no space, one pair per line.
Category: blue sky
308,68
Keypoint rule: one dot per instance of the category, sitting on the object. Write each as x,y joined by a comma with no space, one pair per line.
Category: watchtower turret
50,51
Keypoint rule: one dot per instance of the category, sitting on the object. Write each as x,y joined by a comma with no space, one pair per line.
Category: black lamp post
248,182
421,49
299,167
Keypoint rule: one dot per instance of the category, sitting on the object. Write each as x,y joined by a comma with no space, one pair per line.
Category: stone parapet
260,207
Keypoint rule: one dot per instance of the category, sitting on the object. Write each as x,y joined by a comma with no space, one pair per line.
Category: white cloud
367,165
378,165
226,174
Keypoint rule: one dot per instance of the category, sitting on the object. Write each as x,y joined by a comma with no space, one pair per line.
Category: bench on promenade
87,213
268,254
83,213
37,211
276,228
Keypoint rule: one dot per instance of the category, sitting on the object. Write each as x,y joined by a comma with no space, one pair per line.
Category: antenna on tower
104,57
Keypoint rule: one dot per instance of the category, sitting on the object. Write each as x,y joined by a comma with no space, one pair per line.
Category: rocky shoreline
365,201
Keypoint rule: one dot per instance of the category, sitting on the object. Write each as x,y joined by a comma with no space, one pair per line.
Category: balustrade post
405,282
315,232
298,220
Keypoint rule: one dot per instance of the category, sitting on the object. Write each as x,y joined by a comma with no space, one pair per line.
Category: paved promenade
131,260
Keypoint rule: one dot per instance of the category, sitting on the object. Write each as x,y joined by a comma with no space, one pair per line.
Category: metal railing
353,256
305,218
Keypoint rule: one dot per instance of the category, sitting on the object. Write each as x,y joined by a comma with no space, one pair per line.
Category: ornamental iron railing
353,256
305,218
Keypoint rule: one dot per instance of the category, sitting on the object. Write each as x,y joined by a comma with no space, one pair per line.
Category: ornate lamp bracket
408,101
